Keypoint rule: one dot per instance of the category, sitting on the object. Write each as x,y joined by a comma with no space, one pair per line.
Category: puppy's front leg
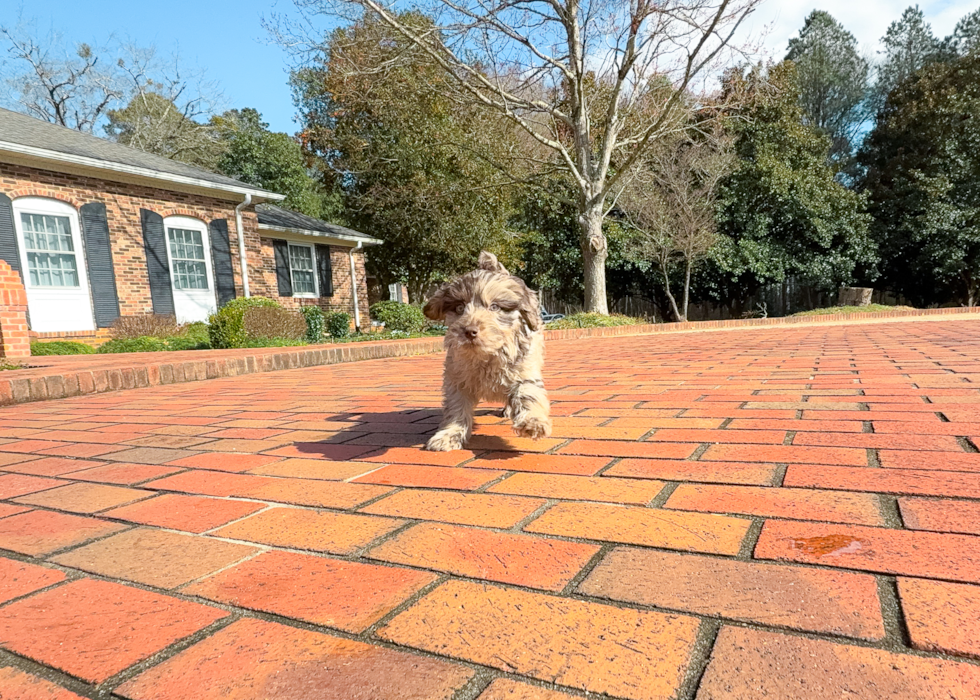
457,421
530,409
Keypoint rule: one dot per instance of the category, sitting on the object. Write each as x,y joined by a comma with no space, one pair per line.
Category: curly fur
494,352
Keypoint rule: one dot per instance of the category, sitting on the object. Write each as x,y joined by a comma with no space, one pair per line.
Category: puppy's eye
460,308
494,307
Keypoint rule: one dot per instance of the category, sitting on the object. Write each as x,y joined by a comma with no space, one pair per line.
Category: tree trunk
687,286
670,295
594,254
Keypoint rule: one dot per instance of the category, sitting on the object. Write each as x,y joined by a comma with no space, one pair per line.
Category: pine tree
909,45
833,81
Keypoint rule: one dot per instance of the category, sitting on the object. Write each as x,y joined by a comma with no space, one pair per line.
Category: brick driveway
789,513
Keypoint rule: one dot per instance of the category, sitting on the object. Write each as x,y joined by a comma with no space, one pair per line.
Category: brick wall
123,203
14,339
262,281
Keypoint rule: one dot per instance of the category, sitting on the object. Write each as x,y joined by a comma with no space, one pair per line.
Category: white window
191,274
302,269
52,260
188,258
51,255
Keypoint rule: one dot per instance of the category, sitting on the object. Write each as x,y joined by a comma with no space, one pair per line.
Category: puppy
494,352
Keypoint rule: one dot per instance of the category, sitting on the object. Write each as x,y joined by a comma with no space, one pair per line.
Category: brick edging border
645,329
81,375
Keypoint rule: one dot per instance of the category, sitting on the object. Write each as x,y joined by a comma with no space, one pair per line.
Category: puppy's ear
530,309
435,309
489,262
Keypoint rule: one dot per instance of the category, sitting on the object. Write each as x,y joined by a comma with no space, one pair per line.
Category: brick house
98,230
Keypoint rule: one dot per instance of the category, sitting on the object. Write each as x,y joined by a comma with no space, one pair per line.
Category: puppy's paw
445,441
534,428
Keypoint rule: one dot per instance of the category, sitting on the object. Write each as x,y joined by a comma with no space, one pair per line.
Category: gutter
242,255
353,284
32,152
366,240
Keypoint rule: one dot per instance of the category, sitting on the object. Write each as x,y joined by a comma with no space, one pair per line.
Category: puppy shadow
373,434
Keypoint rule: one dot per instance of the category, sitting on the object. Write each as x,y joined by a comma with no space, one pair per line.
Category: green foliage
923,179
833,81
60,347
271,160
551,252
188,342
869,309
226,327
590,320
398,316
403,154
909,45
314,323
782,213
338,324
143,344
966,35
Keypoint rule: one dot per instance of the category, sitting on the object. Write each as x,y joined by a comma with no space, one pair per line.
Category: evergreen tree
782,213
833,81
909,44
274,161
923,179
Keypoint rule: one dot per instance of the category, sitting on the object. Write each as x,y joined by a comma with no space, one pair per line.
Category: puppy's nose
471,332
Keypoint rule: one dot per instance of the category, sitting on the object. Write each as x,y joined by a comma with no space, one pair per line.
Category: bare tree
70,87
149,102
670,204
537,63
169,109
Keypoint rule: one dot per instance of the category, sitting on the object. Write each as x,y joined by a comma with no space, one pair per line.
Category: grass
870,308
587,320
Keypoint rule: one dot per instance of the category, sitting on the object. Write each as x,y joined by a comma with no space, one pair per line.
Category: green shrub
398,316
338,324
142,344
314,323
60,347
226,327
197,331
251,302
588,320
188,342
273,342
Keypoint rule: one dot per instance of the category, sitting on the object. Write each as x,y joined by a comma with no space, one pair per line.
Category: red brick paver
789,513
94,629
256,659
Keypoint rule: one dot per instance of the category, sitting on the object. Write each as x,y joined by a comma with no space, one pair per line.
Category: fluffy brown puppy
494,352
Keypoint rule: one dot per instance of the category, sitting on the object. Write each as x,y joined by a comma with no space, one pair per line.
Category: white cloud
867,20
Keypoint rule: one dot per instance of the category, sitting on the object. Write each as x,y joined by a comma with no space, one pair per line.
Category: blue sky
227,39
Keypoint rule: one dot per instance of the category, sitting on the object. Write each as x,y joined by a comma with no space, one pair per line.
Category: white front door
53,265
191,275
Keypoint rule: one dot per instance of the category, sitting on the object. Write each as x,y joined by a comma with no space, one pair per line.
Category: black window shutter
98,255
283,278
324,270
224,273
9,250
157,267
